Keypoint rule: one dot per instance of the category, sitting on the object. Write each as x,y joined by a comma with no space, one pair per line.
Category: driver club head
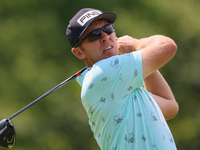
7,134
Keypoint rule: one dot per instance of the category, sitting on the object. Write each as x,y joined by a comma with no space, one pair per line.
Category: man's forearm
156,84
128,44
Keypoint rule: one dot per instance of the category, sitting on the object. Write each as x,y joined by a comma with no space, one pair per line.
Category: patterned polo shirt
122,114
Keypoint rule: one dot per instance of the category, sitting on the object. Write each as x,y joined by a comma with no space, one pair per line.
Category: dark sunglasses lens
94,35
108,29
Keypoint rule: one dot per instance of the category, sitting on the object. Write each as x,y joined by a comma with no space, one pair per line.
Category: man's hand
126,44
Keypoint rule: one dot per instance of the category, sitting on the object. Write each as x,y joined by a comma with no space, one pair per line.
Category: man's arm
156,51
162,94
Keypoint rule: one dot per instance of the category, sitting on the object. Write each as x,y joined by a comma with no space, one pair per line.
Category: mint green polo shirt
122,114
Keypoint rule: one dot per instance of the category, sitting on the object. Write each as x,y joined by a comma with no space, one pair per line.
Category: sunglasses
96,34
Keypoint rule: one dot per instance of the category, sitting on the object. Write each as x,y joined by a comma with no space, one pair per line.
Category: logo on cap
87,16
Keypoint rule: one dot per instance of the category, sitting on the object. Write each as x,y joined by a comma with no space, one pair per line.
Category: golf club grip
49,92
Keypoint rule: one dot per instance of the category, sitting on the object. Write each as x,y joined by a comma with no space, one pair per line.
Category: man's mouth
109,47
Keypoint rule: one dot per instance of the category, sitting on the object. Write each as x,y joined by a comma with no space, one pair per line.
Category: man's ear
78,52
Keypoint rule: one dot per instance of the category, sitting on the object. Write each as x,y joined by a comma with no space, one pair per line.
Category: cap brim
110,17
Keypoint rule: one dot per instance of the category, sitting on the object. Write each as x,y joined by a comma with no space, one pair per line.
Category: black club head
7,134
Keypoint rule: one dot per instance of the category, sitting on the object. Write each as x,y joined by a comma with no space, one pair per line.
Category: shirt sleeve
120,74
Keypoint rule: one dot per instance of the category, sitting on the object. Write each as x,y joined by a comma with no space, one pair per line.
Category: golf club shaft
49,92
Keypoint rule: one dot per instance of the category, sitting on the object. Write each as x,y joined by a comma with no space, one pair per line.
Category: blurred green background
35,56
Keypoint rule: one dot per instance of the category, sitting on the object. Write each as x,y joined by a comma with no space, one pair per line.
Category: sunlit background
35,56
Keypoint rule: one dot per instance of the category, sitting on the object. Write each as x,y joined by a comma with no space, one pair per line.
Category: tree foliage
35,56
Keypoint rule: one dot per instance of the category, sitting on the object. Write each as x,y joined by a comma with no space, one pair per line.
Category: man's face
92,52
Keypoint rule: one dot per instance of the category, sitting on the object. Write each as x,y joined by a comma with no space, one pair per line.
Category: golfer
126,98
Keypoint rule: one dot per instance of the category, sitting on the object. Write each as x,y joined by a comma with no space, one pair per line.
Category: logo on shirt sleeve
114,63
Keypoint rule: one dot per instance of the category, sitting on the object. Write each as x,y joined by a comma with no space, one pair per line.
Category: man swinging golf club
122,114
126,98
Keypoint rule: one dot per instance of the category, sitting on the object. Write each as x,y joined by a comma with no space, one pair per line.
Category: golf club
7,130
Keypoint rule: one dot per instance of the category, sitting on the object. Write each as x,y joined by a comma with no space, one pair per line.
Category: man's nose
104,36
